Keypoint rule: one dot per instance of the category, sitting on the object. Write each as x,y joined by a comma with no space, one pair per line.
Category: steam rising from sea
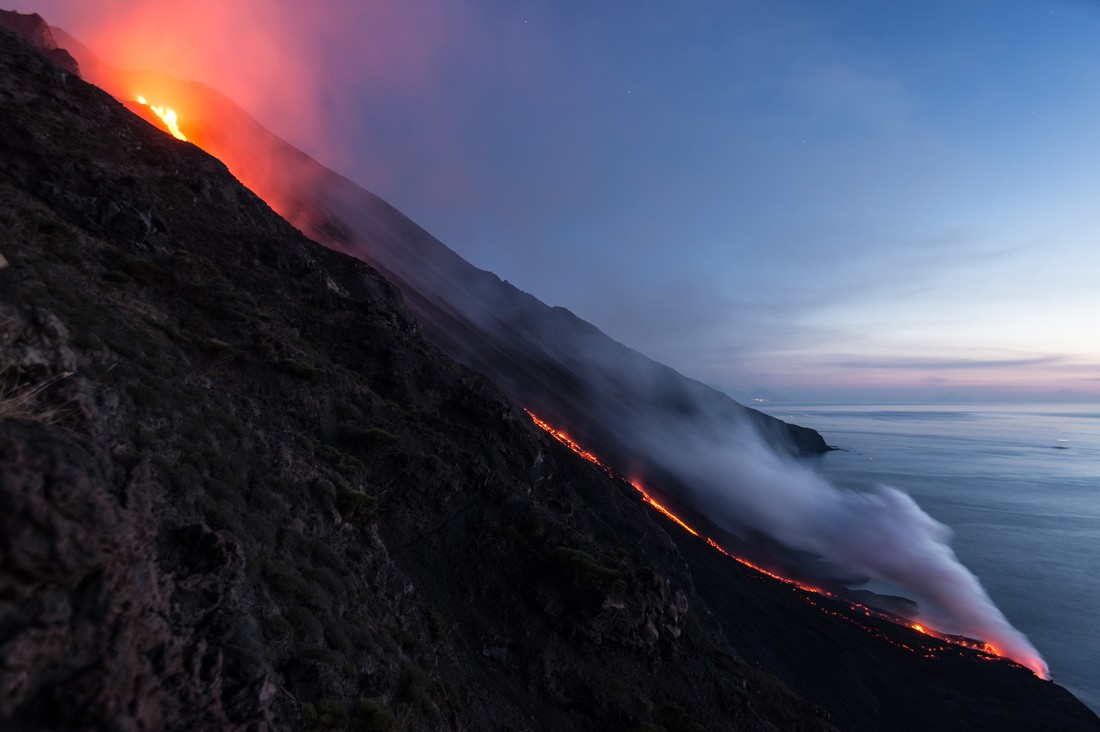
742,483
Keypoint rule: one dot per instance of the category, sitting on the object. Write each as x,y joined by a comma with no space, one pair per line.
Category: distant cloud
944,363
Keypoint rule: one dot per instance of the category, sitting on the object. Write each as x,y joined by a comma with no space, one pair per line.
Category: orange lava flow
987,650
167,116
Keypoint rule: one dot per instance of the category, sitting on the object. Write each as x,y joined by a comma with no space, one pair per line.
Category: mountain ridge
439,283
242,492
345,528
608,396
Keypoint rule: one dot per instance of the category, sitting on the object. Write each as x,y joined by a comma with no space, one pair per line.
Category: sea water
1020,487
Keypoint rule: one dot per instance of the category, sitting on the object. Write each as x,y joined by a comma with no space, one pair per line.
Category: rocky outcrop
103,627
36,32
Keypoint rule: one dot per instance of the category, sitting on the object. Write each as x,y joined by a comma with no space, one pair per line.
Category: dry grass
22,401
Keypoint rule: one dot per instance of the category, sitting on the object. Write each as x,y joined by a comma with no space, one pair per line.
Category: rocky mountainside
543,357
616,401
240,490
35,31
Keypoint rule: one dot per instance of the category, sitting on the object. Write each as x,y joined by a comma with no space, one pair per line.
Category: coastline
1015,497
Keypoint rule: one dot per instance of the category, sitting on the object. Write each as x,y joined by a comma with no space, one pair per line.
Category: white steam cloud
883,534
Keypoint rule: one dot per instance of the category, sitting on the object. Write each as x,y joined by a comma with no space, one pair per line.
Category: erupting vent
809,593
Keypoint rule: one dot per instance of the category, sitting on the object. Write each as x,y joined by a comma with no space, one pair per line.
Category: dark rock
32,28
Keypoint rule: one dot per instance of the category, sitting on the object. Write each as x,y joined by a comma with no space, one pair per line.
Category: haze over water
1020,487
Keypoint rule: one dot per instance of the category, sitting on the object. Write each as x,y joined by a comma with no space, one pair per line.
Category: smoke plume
742,483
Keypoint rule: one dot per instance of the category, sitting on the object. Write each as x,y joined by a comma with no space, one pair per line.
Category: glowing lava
167,116
987,651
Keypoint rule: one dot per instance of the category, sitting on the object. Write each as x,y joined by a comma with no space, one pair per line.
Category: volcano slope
613,399
543,357
239,490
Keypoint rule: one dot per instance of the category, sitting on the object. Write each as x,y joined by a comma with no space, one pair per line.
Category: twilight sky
844,200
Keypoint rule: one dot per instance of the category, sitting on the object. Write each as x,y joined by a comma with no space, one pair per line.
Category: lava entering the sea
167,116
985,650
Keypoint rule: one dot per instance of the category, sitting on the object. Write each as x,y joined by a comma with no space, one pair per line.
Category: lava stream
167,116
985,649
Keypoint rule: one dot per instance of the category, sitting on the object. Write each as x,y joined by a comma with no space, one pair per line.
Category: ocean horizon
1019,486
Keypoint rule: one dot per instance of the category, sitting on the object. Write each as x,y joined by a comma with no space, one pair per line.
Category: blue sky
846,200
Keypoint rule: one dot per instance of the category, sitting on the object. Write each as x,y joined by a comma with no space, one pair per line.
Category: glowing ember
987,650
167,116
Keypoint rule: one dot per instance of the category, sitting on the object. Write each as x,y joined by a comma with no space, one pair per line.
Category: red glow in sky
820,214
